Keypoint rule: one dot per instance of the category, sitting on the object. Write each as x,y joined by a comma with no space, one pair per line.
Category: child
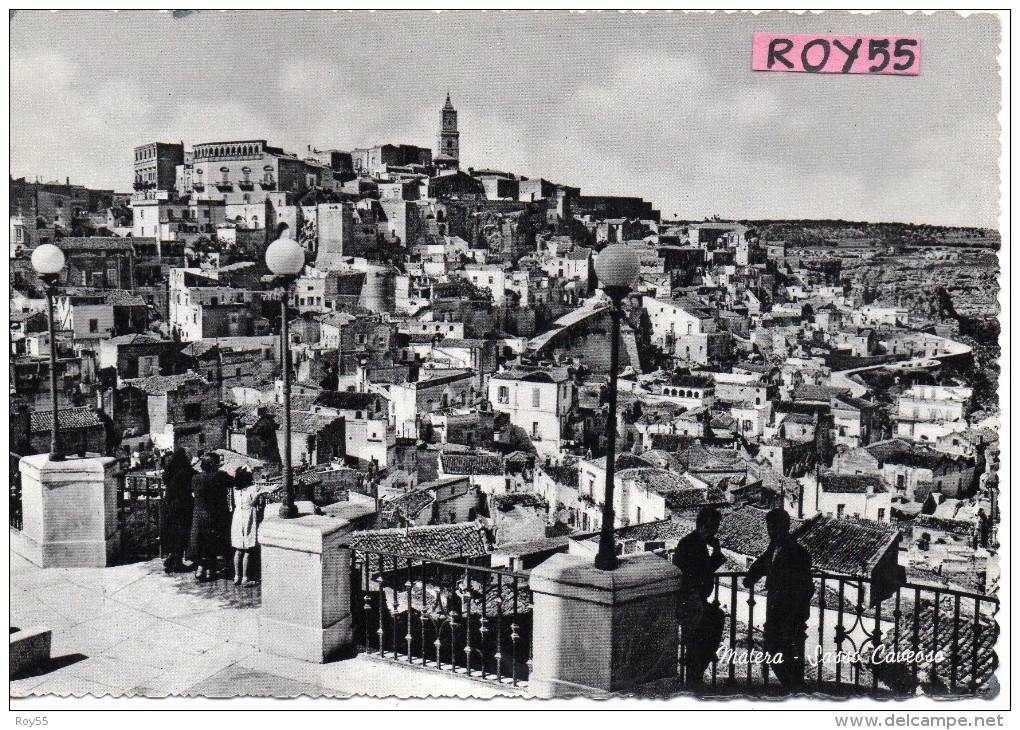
244,525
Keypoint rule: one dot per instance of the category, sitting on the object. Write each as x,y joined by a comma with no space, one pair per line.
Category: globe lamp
617,266
48,260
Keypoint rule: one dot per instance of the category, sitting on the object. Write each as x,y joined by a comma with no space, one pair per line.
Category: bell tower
448,154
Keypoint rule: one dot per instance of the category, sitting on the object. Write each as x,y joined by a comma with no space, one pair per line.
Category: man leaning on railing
698,556
786,567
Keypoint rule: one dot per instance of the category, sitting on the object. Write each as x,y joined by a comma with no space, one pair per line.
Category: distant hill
836,232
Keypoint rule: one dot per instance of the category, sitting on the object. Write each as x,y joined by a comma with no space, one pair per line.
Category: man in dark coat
698,556
176,509
786,567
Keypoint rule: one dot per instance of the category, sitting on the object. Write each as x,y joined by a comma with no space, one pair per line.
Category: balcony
476,622
471,622
854,648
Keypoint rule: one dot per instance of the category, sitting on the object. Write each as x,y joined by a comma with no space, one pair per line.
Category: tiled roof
69,418
817,392
856,403
684,498
659,481
345,401
162,384
849,547
566,475
305,422
477,463
670,441
545,375
953,527
410,505
743,531
134,339
970,642
97,243
626,461
852,483
722,420
579,254
441,376
665,530
899,451
433,542
120,298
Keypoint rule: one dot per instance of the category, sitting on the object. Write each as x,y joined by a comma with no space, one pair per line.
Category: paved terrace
132,630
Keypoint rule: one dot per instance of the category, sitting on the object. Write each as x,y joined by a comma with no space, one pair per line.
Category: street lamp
285,258
617,268
48,262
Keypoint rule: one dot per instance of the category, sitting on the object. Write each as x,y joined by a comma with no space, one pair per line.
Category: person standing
211,516
786,567
698,556
176,509
244,524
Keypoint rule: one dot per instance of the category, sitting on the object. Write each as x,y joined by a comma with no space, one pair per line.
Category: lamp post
285,258
48,262
617,268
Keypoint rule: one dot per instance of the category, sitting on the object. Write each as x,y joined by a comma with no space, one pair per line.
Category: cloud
661,106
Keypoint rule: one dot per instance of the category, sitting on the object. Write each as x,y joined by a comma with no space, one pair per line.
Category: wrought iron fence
16,513
467,619
928,639
139,499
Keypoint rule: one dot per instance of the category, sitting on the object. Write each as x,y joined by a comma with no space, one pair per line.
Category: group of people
207,513
786,567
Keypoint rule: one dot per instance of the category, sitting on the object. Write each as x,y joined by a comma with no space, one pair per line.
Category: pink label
836,54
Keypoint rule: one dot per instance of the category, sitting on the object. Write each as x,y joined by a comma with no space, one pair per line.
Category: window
840,508
93,325
536,397
534,430
238,372
638,516
504,394
881,514
192,411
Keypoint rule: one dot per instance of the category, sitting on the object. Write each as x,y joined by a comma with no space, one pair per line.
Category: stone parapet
597,632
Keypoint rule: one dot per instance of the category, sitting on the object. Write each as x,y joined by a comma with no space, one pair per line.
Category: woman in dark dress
210,524
175,509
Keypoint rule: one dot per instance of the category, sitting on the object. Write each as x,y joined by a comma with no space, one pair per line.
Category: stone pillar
69,512
598,631
306,588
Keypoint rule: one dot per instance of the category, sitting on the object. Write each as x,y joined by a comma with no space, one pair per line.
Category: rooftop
163,384
851,547
432,542
852,483
69,418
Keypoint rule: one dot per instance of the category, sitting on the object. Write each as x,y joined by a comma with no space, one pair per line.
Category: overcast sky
664,106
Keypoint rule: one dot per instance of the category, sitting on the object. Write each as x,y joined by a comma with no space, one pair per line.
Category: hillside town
448,357
448,345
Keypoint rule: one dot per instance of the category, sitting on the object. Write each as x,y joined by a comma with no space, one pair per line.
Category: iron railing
139,499
467,619
16,513
920,639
